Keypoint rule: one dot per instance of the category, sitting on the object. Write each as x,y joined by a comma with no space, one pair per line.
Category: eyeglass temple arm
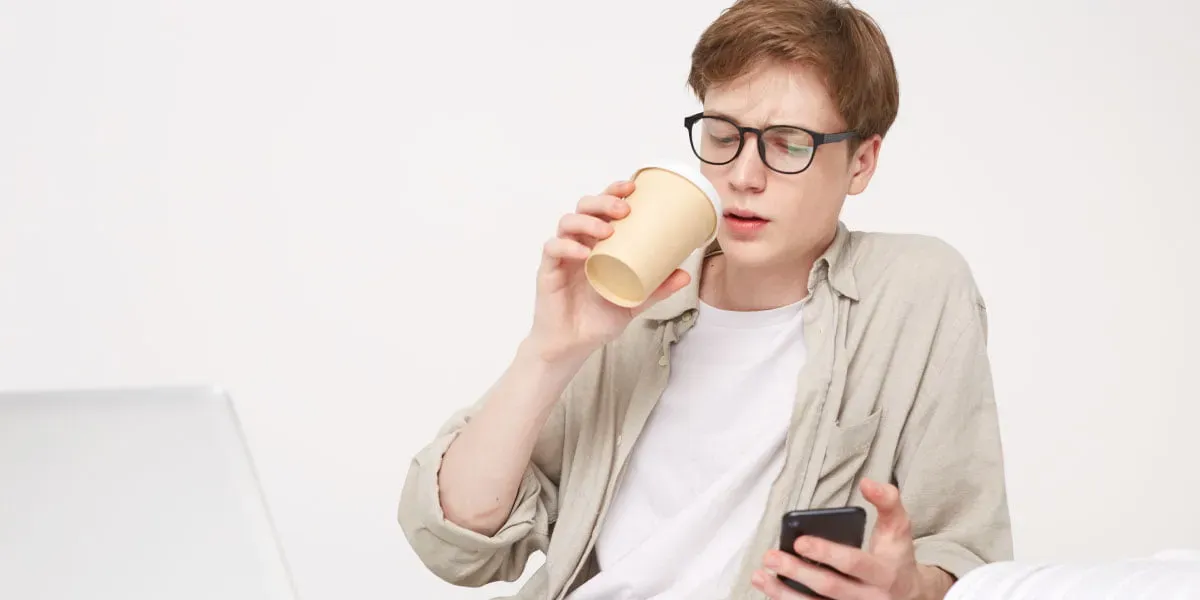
831,138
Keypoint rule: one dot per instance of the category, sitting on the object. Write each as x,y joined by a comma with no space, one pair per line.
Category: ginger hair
843,44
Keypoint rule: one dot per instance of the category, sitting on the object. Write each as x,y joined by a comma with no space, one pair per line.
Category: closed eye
723,140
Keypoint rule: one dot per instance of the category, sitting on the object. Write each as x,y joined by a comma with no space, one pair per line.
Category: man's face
793,217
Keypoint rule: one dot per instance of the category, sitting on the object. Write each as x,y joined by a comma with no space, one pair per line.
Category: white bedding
1168,575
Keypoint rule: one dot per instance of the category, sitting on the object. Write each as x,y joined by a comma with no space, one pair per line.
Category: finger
674,282
852,561
583,228
608,207
619,189
557,249
892,519
825,582
773,588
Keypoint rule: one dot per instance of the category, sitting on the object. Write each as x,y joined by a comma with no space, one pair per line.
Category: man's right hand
484,466
570,319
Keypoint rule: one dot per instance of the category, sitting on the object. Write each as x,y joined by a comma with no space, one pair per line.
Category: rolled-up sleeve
950,469
468,558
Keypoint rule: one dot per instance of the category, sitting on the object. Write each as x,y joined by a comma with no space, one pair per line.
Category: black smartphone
846,525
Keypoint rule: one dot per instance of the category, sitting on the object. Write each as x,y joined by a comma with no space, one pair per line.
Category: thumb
674,282
892,518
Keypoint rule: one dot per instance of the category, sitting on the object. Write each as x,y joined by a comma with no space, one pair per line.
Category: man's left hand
887,570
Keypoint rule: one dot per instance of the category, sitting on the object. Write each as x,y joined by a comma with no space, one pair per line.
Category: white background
335,210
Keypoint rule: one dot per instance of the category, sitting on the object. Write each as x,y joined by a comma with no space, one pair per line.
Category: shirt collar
834,265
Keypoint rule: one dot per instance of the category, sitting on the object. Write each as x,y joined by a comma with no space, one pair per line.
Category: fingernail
875,488
757,578
771,561
802,546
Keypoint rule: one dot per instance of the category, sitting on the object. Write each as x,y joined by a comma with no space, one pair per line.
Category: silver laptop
132,495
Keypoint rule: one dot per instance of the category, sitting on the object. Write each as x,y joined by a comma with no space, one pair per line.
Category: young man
651,453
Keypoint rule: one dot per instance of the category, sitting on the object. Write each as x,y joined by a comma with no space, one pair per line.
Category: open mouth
738,216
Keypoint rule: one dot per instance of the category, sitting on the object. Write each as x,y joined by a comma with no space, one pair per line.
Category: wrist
547,370
934,582
549,358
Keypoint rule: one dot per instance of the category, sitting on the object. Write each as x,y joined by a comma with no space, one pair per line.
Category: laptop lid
132,495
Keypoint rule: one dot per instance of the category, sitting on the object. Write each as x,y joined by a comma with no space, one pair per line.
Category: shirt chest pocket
845,453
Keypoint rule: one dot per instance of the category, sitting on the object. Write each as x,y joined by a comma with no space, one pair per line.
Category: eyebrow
717,113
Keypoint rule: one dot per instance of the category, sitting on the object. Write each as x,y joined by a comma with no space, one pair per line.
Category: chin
750,253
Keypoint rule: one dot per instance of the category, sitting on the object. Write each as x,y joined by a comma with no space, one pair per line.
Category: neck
729,285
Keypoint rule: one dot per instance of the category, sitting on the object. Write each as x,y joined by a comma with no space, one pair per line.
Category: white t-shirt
698,478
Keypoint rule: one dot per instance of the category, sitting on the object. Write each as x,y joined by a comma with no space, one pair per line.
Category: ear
862,164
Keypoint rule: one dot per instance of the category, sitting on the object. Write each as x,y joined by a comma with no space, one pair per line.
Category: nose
748,174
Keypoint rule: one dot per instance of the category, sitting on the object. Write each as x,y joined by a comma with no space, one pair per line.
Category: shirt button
662,361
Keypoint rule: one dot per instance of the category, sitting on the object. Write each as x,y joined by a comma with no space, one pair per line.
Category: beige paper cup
672,212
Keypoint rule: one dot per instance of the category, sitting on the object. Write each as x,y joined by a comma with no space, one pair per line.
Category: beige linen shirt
897,388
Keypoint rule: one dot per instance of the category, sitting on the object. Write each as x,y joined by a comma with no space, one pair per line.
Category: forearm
482,469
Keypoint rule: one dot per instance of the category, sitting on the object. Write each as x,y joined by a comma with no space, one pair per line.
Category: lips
744,224
739,214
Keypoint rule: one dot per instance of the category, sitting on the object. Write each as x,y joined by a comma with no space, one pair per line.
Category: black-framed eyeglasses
785,149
